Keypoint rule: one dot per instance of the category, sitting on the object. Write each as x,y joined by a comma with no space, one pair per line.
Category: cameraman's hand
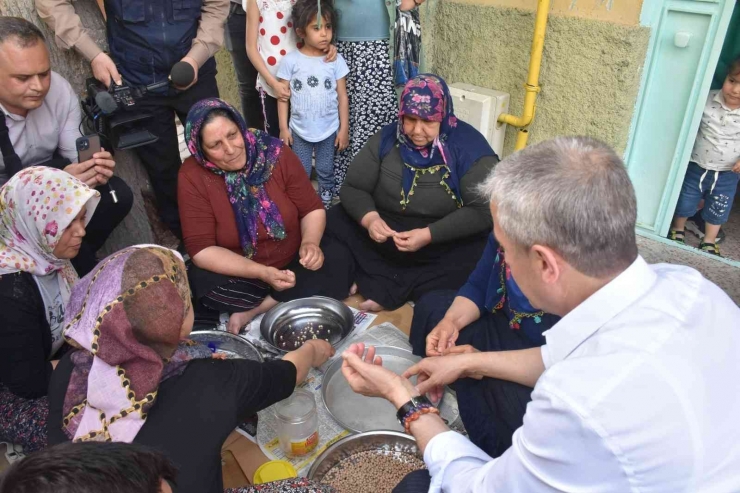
191,61
104,69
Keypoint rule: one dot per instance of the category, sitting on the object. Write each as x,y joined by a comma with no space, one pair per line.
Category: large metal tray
288,325
226,343
356,412
387,442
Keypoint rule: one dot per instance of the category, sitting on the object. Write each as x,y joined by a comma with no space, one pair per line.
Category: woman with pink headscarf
135,377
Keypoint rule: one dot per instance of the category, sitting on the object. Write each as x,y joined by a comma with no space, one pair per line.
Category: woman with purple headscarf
251,221
136,377
410,216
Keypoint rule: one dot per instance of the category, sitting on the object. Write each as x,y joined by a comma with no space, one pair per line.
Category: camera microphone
106,103
182,74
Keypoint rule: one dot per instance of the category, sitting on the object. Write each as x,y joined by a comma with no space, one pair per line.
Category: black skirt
221,293
391,277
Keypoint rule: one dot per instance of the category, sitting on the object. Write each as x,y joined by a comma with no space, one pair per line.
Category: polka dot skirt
276,37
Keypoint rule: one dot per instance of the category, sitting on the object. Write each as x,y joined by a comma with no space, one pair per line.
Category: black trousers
162,158
107,216
391,277
246,75
491,409
415,482
271,112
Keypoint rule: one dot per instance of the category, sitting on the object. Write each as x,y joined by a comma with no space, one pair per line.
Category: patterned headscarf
246,187
125,317
36,206
457,147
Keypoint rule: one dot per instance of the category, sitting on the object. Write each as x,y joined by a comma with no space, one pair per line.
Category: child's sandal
677,236
710,248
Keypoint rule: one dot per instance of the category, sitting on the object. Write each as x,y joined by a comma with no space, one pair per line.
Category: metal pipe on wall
531,87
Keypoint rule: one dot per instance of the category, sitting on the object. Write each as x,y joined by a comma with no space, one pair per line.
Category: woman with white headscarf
43,214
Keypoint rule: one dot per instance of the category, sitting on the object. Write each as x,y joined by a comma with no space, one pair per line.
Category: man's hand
441,338
104,69
190,61
379,231
342,140
286,136
435,373
311,256
104,166
94,172
280,280
367,376
414,240
736,168
85,172
331,54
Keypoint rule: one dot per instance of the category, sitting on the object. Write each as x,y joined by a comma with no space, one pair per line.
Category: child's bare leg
679,223
710,232
240,319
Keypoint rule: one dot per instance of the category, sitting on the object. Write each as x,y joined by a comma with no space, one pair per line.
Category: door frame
652,15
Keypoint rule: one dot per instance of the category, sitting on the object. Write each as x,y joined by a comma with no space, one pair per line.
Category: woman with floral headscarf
410,214
135,377
252,222
43,214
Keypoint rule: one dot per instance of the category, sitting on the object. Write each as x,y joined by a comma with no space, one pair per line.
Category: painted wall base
590,71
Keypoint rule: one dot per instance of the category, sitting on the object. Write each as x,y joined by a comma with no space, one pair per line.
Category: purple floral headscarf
457,147
246,187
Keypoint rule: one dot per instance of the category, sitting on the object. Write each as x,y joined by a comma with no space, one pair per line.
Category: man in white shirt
637,387
41,121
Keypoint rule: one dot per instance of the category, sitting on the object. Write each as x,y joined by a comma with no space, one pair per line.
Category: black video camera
114,114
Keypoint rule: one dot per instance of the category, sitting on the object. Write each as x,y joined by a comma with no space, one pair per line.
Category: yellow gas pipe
532,86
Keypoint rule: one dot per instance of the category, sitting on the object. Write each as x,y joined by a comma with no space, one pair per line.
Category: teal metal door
685,45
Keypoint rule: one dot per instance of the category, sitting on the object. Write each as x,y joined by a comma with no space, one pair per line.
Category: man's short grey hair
573,195
21,31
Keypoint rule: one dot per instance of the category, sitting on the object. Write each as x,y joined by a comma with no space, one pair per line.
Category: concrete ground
723,275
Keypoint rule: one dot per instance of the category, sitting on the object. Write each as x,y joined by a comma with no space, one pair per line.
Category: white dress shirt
641,393
717,144
55,125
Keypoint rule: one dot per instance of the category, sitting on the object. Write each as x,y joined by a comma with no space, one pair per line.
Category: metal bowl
232,346
383,441
288,325
357,412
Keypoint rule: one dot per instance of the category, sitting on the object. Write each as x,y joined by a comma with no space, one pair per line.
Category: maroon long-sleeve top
208,219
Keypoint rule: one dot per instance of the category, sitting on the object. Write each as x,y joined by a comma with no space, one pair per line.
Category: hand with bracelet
365,374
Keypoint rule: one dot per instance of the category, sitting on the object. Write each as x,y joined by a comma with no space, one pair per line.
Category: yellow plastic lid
275,470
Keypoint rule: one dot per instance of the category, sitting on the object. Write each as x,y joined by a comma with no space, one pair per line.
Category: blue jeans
717,188
324,161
